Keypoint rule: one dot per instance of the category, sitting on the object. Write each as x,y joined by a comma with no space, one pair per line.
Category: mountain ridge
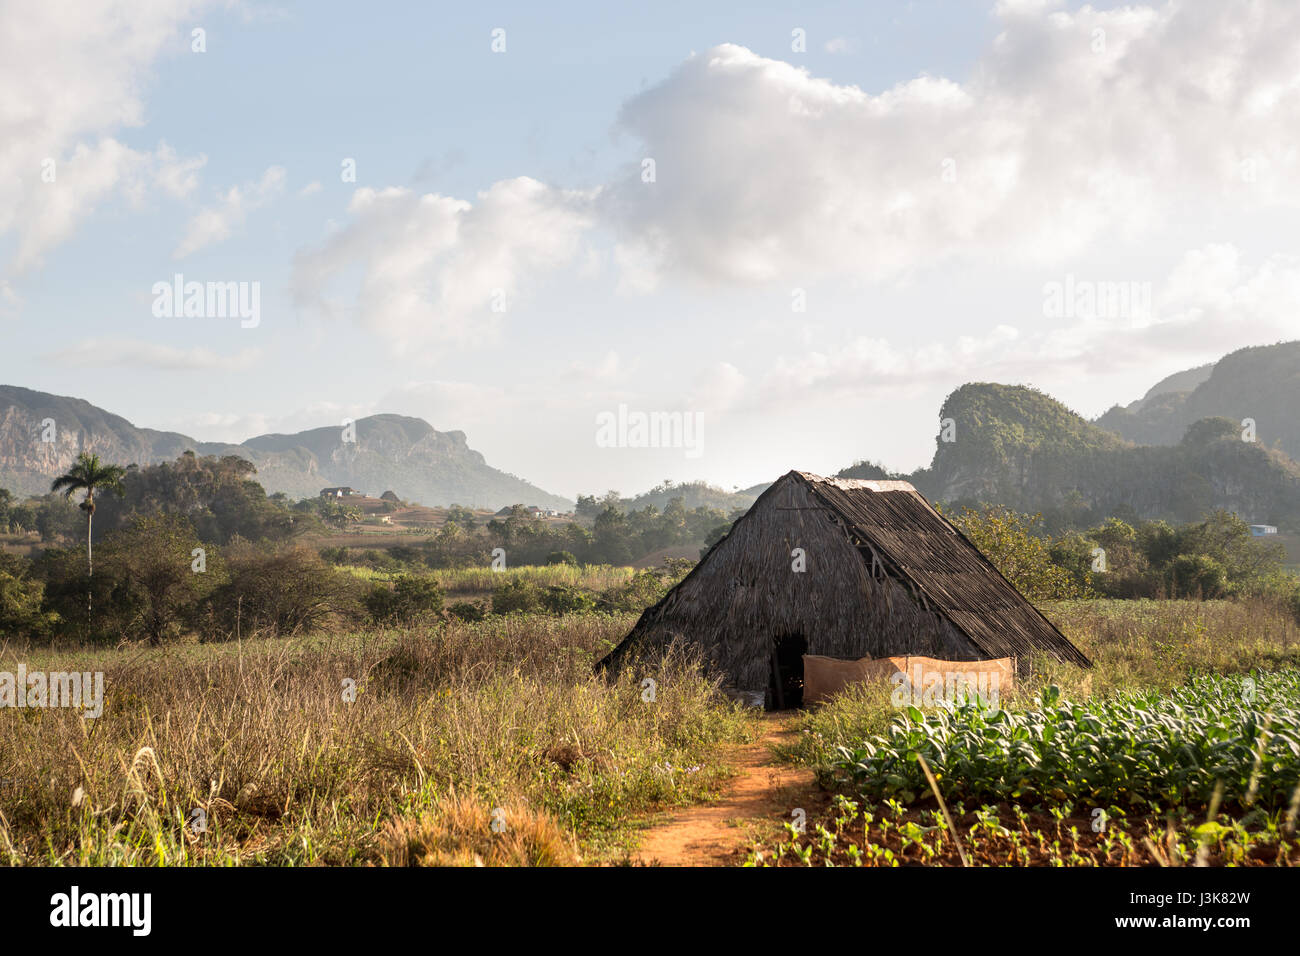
397,452
1260,382
1019,447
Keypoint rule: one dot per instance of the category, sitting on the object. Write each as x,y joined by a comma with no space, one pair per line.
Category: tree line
1216,557
197,546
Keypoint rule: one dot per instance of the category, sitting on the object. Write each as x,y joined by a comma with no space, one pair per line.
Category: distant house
532,510
1260,530
340,493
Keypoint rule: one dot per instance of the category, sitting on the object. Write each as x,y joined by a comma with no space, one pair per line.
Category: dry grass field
493,743
229,754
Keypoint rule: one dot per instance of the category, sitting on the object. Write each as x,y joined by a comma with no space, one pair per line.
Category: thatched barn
841,568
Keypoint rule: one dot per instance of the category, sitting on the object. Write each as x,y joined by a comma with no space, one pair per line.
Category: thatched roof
922,548
892,576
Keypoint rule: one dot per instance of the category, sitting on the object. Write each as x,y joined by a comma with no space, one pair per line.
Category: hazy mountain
1184,381
1019,447
1261,383
394,452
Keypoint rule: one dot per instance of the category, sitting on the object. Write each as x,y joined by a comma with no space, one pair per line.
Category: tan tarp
930,681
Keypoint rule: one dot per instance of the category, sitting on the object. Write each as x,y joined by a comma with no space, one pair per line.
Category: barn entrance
785,679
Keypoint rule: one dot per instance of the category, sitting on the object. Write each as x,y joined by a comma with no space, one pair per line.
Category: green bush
1006,538
1197,575
21,615
561,557
516,596
468,611
567,600
151,580
284,591
411,599
644,589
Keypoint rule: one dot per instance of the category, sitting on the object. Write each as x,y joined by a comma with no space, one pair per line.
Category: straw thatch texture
946,571
886,575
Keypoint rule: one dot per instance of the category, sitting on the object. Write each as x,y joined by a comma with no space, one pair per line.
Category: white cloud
177,176
310,189
50,212
1073,126
105,353
841,45
217,223
1210,304
433,266
70,78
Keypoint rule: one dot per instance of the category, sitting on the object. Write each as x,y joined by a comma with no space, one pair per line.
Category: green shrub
1293,603
566,600
1006,538
21,615
516,596
1197,575
644,589
412,599
147,583
284,591
468,611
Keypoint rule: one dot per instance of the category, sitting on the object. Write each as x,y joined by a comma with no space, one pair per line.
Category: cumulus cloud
218,222
439,270
70,78
1073,124
1074,127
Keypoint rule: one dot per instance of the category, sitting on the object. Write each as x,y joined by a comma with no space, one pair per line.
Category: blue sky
917,172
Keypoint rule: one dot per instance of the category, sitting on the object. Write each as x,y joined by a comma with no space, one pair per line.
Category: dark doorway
785,678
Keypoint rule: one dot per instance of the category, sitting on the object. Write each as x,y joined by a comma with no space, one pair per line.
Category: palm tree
89,474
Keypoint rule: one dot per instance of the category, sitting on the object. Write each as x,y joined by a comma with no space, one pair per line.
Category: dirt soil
756,804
